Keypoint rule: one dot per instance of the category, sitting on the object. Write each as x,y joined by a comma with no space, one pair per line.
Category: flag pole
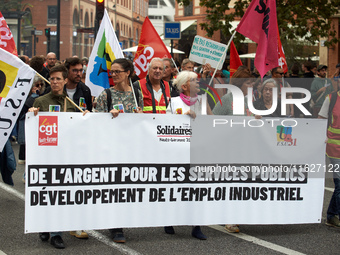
173,61
222,58
42,77
133,92
70,100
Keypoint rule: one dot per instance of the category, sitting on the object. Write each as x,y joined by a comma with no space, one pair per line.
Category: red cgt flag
282,58
6,38
259,24
235,60
150,46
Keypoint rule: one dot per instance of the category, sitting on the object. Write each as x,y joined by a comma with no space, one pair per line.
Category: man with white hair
155,91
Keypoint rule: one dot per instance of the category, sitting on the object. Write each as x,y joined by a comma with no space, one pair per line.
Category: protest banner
16,79
142,170
204,51
105,50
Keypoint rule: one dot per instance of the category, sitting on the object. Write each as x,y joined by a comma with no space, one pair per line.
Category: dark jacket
82,91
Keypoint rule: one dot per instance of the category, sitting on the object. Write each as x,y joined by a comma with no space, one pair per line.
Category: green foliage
10,5
297,19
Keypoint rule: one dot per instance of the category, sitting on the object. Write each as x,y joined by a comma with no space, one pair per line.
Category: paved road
259,239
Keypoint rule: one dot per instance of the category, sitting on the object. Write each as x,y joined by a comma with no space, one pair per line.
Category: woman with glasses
38,88
265,102
121,94
120,99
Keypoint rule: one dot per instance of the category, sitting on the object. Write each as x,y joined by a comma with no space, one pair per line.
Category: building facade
77,17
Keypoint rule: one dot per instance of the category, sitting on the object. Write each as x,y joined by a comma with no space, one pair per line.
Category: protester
75,88
25,59
188,103
167,76
122,101
307,80
277,74
265,102
37,63
207,84
187,65
320,88
295,82
56,97
155,91
37,89
51,59
243,80
331,110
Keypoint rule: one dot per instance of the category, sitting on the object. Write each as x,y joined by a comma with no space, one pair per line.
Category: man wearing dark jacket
75,89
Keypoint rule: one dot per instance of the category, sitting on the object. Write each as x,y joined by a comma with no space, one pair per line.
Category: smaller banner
204,51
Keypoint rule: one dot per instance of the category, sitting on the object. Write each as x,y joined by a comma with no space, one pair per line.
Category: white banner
99,172
204,51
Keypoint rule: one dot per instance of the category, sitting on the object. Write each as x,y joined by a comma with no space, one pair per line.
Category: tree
10,5
297,19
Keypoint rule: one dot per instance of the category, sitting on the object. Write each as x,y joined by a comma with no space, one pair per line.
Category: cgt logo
48,131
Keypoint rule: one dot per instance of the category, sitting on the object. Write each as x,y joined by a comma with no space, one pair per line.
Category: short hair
36,79
170,61
274,69
186,61
72,62
155,60
37,63
126,64
85,59
23,58
271,80
240,76
59,68
182,78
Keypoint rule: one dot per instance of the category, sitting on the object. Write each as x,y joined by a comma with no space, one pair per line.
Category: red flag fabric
259,24
235,60
282,58
150,46
6,38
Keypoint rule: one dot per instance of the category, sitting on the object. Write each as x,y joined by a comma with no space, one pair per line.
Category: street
252,239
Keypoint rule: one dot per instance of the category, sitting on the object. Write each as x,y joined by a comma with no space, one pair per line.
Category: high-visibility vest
333,131
147,93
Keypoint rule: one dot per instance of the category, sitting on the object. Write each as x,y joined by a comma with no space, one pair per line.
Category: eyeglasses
280,73
75,71
39,85
116,72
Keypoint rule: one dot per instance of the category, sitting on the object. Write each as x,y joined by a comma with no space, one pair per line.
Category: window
188,10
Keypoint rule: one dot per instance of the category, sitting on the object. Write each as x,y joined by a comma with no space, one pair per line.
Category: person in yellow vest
330,110
155,91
